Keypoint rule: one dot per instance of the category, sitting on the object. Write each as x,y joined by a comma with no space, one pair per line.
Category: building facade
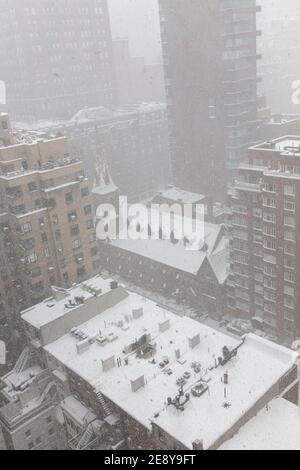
132,140
265,267
62,60
137,81
47,228
279,46
211,81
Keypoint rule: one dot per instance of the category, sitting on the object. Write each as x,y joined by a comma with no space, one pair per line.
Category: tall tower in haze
62,57
210,61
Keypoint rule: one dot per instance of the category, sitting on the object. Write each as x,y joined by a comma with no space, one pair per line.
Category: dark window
32,186
74,230
85,192
69,198
88,210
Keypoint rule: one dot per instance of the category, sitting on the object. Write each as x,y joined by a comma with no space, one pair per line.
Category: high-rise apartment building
47,231
279,46
62,57
210,61
265,268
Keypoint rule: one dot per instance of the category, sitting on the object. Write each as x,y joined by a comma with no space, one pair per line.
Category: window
289,290
269,230
289,302
289,221
270,296
85,192
94,251
72,216
51,203
32,258
32,187
270,244
289,276
271,188
57,235
88,210
28,244
269,202
270,283
36,272
289,206
90,224
69,198
269,217
289,190
81,271
76,244
289,235
44,237
49,419
269,258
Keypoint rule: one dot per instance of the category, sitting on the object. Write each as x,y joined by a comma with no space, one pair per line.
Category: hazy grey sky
139,21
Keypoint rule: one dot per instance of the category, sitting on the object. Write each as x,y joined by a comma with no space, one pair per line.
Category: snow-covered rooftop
113,360
276,427
57,306
186,257
179,195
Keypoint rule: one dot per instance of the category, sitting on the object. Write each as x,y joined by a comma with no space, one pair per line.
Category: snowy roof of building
76,409
187,258
112,362
276,427
57,306
288,145
179,195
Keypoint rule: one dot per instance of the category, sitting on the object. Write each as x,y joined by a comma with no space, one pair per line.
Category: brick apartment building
62,57
47,231
265,269
108,369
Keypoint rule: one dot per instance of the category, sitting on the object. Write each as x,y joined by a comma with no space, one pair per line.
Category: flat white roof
288,142
258,365
276,427
52,309
180,195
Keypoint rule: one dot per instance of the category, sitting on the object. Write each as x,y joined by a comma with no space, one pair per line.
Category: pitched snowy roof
276,427
184,258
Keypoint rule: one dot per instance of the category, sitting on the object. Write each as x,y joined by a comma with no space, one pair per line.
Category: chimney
198,444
